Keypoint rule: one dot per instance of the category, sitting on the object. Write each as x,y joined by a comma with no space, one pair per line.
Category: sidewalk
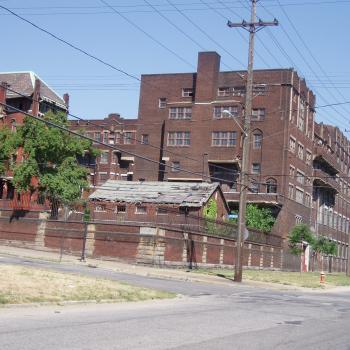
175,274
156,272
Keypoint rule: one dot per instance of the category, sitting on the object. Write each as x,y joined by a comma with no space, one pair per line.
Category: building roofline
33,77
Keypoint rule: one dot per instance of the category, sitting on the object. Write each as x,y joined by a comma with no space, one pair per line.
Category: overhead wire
302,57
313,58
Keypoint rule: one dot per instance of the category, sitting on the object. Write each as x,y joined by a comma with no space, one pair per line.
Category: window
180,113
258,114
104,158
238,90
256,168
111,140
254,187
292,143
115,158
301,119
257,139
218,111
175,167
144,139
307,199
100,207
300,151
128,138
105,136
224,91
179,138
162,102
291,170
290,191
140,209
300,177
299,195
120,209
308,157
271,186
259,89
97,136
223,138
187,92
298,219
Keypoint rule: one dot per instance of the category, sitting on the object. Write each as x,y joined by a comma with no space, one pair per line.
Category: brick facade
182,114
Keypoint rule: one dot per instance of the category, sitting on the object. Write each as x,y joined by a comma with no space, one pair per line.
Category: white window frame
223,138
179,138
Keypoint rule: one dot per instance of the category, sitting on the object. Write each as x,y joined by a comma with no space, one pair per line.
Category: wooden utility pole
252,27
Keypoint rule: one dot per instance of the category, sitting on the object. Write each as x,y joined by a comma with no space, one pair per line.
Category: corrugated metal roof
23,82
185,194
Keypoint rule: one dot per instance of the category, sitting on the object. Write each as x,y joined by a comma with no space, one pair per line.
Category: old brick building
114,131
156,202
185,115
27,92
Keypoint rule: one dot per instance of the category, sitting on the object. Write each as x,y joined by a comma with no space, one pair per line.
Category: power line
304,59
312,55
205,33
146,33
52,124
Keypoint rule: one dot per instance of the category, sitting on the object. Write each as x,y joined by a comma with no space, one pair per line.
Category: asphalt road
208,316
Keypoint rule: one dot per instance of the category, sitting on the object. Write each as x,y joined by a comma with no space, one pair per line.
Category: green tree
300,233
210,212
324,246
50,156
7,148
259,218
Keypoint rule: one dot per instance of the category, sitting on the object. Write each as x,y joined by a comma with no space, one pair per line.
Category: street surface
206,316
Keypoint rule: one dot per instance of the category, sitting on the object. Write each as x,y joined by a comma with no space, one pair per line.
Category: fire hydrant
322,277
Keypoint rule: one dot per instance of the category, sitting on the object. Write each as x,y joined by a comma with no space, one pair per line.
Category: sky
164,36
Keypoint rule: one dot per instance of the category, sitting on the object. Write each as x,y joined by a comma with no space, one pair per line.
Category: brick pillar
222,241
185,247
36,97
40,233
205,248
261,257
272,253
250,255
90,240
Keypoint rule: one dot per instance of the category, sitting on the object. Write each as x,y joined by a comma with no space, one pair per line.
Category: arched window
271,186
257,139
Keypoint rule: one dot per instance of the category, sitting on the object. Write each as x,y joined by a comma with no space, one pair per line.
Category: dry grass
305,279
22,284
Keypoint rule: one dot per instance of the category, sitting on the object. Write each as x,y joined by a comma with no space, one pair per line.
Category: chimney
66,100
3,86
207,76
36,97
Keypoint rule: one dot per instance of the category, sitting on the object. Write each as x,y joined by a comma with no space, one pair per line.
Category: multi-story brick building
24,92
112,163
186,116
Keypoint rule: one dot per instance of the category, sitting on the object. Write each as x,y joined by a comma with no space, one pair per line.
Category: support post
252,27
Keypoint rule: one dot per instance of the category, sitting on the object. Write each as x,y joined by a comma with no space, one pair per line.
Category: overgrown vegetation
210,212
7,148
258,218
319,244
50,159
